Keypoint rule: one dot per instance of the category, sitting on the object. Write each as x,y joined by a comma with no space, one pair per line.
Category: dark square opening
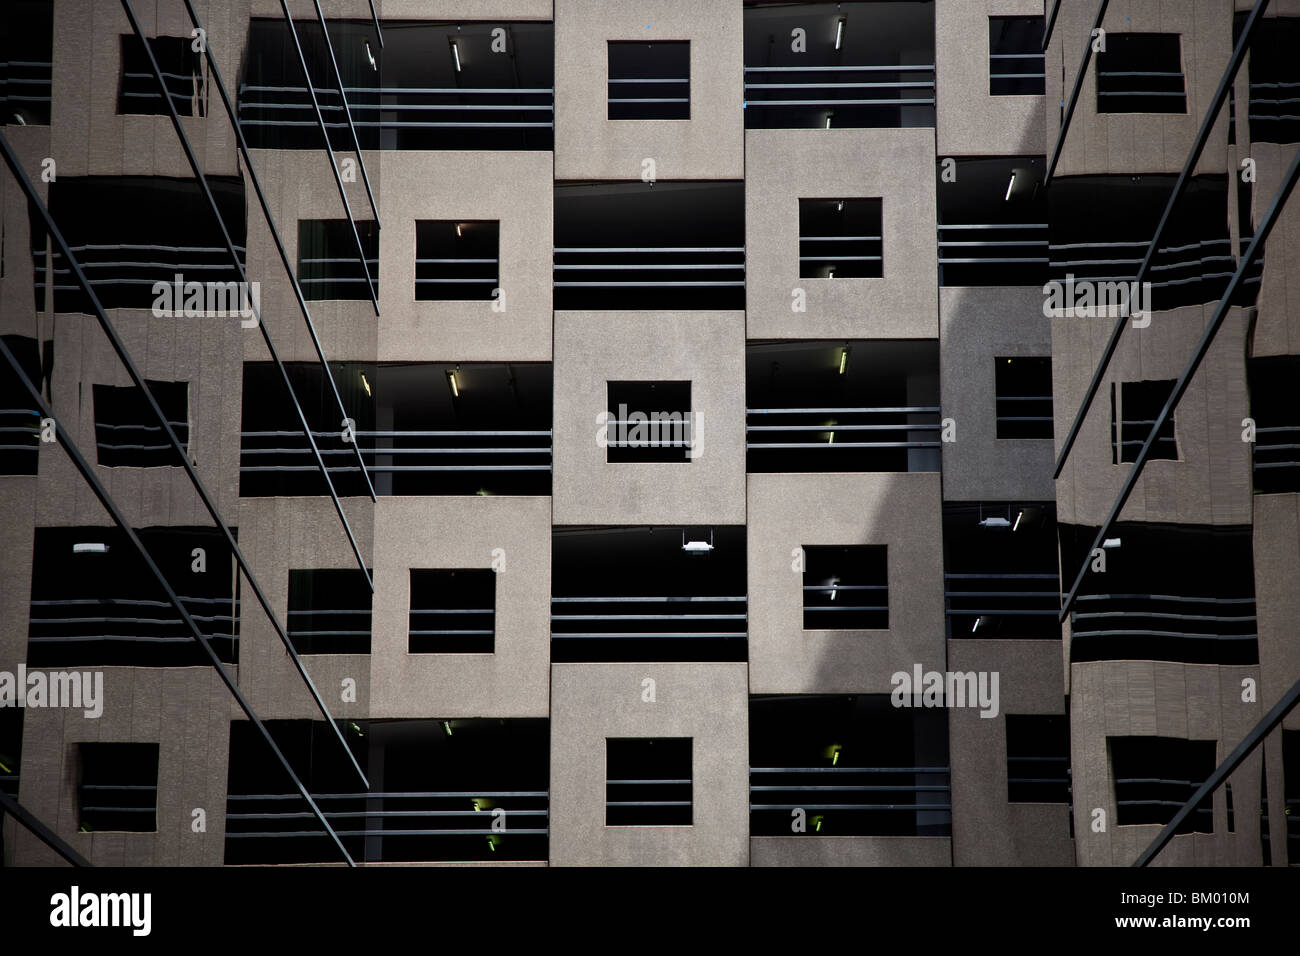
452,611
119,787
840,239
457,260
648,781
1016,56
649,421
329,611
1038,758
127,433
182,71
649,81
845,588
327,258
1154,776
1139,406
1023,386
1141,73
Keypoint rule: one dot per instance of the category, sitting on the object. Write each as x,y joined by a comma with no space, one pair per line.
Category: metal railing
1049,774
20,431
1274,118
694,627
859,93
1004,84
1190,629
861,801
820,254
1278,452
1153,792
404,451
649,267
379,110
836,434
34,77
968,250
974,600
128,621
824,608
105,266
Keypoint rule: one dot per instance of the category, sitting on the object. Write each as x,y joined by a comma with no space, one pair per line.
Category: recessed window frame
657,97
452,611
635,796
845,587
1021,410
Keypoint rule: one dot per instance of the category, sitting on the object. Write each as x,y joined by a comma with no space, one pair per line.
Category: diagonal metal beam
239,268
41,831
275,234
204,495
1202,348
1184,177
74,453
1050,24
1074,93
347,111
1223,771
329,151
375,17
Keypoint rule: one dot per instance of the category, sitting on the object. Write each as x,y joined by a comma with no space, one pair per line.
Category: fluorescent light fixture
830,273
834,589
1009,186
1111,543
839,206
831,441
844,360
369,55
90,547
455,55
446,725
839,32
1016,526
458,232
828,120
697,545
356,729
455,386
365,383
978,621
998,522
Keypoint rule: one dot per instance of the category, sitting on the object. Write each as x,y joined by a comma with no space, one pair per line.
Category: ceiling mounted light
370,56
839,205
696,545
828,119
455,55
459,234
90,547
998,522
1111,543
1010,184
366,384
839,32
1016,526
455,386
844,359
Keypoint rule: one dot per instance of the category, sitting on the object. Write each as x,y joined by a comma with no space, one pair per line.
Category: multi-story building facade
634,412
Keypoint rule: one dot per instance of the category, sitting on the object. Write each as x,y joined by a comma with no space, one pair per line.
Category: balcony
26,62
94,602
1169,593
431,86
1274,80
842,407
1001,578
1275,408
125,254
1101,227
422,429
855,65
847,766
443,790
993,222
649,594
648,245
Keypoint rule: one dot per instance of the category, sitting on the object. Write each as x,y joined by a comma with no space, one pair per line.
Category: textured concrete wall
894,165
971,122
704,348
1277,599
89,136
710,145
1277,327
1165,699
462,533
279,535
186,711
900,511
987,829
1210,481
511,187
850,851
1138,142
706,702
979,325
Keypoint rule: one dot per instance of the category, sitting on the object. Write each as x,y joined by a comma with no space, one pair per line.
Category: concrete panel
894,165
850,851
1277,599
710,145
511,187
979,325
786,512
970,121
704,348
706,702
463,533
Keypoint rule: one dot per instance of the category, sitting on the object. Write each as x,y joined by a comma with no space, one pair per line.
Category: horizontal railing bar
840,411
704,599
841,69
